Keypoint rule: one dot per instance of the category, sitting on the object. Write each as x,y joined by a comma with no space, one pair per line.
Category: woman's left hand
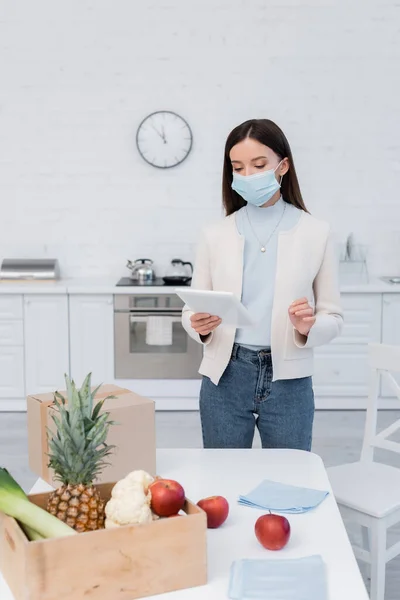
302,316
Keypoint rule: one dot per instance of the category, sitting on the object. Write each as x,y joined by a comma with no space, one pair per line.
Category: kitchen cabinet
92,337
12,376
45,333
12,333
390,333
46,342
12,384
341,369
11,307
391,319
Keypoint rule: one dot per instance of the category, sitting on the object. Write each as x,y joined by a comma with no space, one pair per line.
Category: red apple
167,497
217,510
272,531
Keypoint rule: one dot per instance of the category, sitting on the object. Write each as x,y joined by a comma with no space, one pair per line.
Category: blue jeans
246,396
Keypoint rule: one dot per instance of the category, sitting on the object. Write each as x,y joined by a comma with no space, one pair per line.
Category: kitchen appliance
150,341
37,269
394,280
129,282
142,270
178,274
353,266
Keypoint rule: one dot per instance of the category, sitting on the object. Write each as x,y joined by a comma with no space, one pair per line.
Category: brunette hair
269,134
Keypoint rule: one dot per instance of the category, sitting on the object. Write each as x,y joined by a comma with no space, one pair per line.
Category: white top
260,227
306,267
232,472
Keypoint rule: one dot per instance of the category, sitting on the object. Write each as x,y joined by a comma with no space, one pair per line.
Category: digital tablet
220,304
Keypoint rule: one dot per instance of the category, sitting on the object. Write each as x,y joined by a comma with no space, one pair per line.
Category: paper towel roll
159,331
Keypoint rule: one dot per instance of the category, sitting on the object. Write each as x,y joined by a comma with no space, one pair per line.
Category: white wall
76,78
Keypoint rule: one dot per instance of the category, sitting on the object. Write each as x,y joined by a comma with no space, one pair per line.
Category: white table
233,472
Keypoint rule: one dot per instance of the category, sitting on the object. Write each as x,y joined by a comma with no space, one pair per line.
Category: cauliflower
130,501
139,477
136,479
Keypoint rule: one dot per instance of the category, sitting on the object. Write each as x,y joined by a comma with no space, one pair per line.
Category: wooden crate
115,564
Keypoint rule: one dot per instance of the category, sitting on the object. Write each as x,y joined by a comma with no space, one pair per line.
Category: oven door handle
143,318
162,312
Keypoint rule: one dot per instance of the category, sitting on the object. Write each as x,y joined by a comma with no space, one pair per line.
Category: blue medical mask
258,188
282,579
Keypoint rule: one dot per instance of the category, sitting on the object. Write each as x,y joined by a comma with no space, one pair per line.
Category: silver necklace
263,246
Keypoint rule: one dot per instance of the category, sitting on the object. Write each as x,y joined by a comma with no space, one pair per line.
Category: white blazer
306,266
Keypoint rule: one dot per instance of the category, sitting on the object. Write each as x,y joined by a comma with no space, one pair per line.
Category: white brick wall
76,78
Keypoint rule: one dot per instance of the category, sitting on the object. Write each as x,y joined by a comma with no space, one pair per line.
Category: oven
150,342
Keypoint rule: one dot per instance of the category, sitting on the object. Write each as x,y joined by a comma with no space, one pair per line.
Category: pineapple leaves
96,464
97,409
86,397
59,397
99,406
78,448
94,394
76,411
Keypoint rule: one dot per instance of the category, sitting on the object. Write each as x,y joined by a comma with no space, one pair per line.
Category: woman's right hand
204,324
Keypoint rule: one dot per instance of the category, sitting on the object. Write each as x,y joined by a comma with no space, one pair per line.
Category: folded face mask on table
278,579
283,498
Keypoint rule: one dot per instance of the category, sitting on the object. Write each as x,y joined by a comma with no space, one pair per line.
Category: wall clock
164,139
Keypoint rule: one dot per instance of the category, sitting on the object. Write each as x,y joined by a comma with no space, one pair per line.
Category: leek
15,503
30,533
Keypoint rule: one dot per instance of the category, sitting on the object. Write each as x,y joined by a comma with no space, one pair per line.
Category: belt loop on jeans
234,351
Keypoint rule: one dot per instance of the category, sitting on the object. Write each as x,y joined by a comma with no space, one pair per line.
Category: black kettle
179,273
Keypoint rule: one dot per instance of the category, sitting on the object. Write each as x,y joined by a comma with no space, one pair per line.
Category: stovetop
128,282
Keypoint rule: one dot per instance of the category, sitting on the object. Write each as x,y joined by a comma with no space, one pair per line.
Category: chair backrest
383,360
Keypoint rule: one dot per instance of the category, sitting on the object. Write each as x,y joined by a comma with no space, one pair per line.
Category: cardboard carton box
133,436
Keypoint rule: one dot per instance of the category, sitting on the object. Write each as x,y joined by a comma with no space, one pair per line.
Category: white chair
368,492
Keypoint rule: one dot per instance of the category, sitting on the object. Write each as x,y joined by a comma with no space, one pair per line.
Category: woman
276,257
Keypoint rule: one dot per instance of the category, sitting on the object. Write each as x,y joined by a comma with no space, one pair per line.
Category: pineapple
76,453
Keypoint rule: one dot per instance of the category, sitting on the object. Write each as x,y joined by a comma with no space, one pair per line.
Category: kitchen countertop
108,286
83,285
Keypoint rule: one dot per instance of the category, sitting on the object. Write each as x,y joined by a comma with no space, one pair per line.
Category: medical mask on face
258,188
